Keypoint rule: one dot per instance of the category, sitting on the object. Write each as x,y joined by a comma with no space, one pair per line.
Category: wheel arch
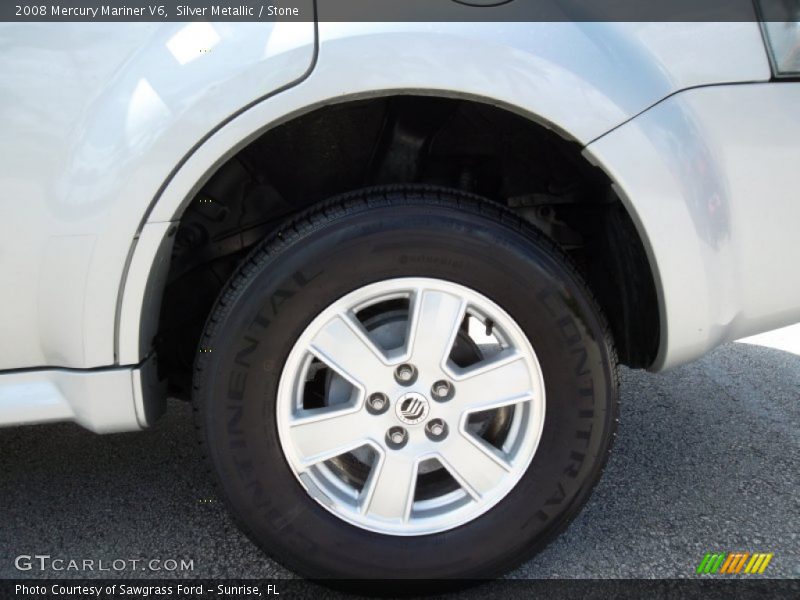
150,260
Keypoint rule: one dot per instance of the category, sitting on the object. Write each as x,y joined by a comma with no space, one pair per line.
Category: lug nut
377,403
436,430
396,437
405,374
442,391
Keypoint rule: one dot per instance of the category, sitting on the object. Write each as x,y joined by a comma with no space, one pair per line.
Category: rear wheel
406,383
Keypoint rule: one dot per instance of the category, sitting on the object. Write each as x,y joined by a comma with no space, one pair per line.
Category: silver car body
108,130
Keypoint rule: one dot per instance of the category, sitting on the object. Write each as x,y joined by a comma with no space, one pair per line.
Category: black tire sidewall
282,290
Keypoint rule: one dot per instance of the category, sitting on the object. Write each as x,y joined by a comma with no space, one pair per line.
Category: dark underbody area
408,140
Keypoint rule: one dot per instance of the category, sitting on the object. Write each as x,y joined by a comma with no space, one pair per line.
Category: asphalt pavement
707,459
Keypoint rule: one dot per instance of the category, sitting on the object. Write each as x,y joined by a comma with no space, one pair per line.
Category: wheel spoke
329,434
504,381
389,492
473,465
434,326
345,347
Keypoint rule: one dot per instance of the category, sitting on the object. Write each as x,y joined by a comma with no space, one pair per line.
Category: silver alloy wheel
476,378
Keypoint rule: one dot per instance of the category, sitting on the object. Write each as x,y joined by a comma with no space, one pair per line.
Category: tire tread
341,207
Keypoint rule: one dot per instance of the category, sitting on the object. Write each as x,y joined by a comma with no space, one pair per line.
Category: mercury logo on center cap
412,408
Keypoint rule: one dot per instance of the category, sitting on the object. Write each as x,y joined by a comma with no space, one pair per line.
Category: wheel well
462,144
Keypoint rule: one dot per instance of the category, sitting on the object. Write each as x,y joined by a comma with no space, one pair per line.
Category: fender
716,216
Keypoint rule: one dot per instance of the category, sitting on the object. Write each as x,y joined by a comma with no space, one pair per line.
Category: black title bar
398,10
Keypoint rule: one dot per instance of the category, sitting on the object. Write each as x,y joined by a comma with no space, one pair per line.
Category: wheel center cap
412,408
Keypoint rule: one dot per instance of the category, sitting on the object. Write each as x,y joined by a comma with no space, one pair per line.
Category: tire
444,529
